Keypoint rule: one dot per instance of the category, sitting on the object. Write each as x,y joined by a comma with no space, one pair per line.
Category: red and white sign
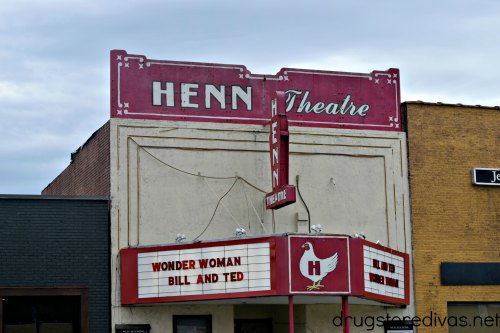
143,88
315,265
283,193
385,273
183,272
319,264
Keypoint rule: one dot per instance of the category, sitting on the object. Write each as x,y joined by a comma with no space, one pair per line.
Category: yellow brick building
454,221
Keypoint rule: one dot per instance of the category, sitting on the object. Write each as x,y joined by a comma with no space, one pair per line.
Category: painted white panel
383,289
222,264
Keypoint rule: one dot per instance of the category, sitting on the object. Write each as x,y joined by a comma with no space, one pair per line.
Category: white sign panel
201,271
384,273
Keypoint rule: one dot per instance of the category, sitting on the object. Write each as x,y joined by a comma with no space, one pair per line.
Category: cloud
47,112
54,69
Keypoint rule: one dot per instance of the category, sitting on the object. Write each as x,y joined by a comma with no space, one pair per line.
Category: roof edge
51,197
450,104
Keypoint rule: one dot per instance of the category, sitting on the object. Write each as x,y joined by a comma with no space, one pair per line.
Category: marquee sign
205,272
143,88
308,265
385,275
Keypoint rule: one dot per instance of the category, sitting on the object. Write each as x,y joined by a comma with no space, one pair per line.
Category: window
193,324
473,317
253,325
43,310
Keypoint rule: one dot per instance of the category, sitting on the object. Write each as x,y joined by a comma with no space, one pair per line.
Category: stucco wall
168,177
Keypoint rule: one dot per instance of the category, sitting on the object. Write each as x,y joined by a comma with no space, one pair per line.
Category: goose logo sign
143,88
319,265
314,268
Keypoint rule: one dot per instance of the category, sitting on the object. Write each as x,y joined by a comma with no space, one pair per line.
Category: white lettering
290,98
270,199
273,129
245,96
363,110
158,92
276,197
304,104
282,195
190,91
343,109
347,106
219,94
187,93
275,156
274,108
318,107
275,178
495,176
331,108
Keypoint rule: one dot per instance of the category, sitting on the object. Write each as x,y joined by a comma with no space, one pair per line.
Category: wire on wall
222,204
219,202
249,226
274,221
305,205
199,175
215,210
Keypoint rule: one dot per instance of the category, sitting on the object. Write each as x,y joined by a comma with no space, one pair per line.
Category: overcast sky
54,57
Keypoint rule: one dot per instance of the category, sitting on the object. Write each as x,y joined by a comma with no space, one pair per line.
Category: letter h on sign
283,194
314,268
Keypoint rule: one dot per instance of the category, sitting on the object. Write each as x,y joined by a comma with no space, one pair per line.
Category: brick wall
88,173
58,243
452,219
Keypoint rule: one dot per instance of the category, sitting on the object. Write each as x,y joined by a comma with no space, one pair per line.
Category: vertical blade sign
283,194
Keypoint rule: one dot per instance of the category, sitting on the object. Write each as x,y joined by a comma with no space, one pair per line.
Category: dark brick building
88,172
54,272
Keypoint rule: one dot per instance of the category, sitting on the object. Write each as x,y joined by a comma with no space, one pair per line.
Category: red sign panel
143,88
319,264
283,194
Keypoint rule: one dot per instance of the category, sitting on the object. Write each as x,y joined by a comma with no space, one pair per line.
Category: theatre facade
244,202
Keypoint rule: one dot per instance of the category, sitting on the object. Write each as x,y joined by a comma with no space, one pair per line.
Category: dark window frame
82,292
239,322
175,319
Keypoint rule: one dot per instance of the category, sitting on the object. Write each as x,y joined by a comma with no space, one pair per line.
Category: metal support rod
290,313
345,314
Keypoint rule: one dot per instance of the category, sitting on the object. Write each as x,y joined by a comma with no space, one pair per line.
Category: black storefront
54,271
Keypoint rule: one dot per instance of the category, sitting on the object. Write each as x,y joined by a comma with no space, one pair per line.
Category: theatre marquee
308,265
